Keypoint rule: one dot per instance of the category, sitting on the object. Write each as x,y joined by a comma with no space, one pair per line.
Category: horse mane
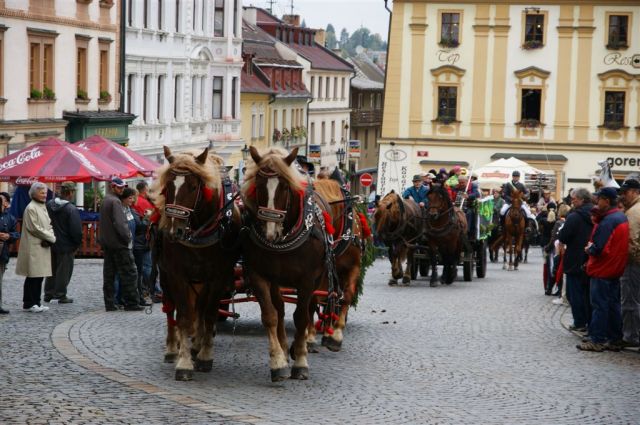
328,188
185,162
381,216
273,159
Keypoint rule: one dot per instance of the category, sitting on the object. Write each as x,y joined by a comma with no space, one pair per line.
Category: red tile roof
255,83
321,58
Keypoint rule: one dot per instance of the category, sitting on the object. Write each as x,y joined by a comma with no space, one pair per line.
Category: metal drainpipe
346,142
272,98
386,67
123,37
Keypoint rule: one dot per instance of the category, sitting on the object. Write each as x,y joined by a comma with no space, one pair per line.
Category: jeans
143,265
630,294
578,296
606,317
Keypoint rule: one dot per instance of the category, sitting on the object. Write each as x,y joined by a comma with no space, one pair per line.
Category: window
531,103
379,101
254,130
217,98
319,88
234,97
313,133
176,96
194,92
284,119
344,88
193,20
145,99
159,98
178,7
614,103
235,18
81,68
145,13
41,57
323,133
129,91
360,100
261,126
313,80
328,94
202,96
275,119
372,100
104,69
160,14
618,31
130,14
333,131
203,15
534,30
218,18
450,30
447,104
335,88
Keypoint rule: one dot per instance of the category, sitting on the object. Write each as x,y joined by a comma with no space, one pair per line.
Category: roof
98,115
367,68
262,16
255,82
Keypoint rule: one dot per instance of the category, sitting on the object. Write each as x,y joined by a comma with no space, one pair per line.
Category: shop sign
315,154
617,58
107,132
354,148
619,161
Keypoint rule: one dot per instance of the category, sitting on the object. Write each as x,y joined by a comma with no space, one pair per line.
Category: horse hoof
170,357
184,375
406,280
203,365
510,269
279,375
392,282
194,354
504,267
301,373
331,344
312,347
433,284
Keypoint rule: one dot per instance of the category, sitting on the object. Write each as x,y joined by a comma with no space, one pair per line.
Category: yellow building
554,83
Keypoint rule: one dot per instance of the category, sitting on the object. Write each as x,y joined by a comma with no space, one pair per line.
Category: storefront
112,125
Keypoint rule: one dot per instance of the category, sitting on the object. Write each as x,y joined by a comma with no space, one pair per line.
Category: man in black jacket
67,227
575,234
8,235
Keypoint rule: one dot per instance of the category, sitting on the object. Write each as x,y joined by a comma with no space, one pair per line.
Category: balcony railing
366,117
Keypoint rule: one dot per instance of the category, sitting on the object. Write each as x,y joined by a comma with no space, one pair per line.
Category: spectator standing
574,235
34,253
143,209
142,202
67,227
8,235
630,280
553,248
545,199
117,243
608,252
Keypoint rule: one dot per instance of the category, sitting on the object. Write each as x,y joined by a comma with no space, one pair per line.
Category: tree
330,37
330,28
344,38
303,24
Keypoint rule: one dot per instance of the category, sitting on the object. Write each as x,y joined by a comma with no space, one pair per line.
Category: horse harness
399,231
347,237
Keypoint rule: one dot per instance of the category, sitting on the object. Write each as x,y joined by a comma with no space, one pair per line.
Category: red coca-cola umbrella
53,160
137,163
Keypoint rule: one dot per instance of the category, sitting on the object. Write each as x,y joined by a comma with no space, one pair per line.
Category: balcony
370,117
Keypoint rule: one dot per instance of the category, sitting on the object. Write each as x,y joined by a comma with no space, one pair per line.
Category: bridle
272,214
180,212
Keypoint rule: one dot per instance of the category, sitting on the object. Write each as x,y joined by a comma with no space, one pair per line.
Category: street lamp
245,152
340,156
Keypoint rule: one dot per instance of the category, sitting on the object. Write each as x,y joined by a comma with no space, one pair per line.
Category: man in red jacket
608,252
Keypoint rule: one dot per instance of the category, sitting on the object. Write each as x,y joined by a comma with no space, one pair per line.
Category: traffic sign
366,179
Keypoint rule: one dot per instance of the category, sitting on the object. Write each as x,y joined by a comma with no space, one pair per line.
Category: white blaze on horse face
272,185
177,184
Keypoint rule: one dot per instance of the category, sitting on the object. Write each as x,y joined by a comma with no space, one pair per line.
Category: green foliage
104,95
344,38
36,94
48,94
360,37
90,198
81,94
330,37
368,256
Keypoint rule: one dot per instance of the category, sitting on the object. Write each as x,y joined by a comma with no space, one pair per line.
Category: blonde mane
272,159
185,162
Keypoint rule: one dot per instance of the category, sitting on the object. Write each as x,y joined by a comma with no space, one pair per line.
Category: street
491,351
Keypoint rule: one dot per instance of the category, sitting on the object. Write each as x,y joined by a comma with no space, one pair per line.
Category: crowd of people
51,234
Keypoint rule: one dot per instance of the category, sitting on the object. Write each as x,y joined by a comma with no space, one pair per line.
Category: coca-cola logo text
26,181
21,158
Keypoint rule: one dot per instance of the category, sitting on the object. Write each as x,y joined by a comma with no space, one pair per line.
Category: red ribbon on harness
366,230
328,223
207,194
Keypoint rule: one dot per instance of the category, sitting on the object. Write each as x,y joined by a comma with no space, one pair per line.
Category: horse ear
292,156
202,158
254,154
167,154
392,191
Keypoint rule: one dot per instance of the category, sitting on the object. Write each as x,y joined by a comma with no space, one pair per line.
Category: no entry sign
366,179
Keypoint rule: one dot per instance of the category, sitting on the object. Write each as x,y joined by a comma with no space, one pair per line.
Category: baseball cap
607,192
515,173
630,184
68,185
118,182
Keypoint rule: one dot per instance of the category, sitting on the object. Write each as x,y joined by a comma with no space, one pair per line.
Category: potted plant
449,42
81,94
529,123
286,135
303,131
617,45
35,94
105,96
48,94
613,125
532,44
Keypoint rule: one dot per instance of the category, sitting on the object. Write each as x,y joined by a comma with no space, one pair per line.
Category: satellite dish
359,49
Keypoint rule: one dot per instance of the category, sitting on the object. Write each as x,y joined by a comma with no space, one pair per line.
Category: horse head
389,211
439,203
188,187
276,189
516,199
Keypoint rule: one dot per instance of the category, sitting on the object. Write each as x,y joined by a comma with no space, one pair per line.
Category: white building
183,64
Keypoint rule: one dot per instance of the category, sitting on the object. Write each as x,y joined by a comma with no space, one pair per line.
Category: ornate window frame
447,76
531,78
615,80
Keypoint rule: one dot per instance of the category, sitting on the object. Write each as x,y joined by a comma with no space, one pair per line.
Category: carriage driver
417,192
516,184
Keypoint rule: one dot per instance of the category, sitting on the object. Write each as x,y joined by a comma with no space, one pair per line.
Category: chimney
291,20
250,14
320,37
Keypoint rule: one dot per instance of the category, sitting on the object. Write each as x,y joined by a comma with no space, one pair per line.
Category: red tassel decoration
329,331
171,322
366,230
319,325
251,192
328,223
207,194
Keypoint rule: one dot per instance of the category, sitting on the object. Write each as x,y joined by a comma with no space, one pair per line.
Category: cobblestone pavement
489,351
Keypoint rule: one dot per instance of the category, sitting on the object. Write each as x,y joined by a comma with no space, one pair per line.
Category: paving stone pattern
489,351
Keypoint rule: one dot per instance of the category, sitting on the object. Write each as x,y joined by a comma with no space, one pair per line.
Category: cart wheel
414,269
481,260
223,307
467,270
424,267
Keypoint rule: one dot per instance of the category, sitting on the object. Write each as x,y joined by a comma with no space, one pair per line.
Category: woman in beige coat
34,254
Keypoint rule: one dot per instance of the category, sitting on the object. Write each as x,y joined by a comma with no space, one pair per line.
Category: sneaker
578,328
34,309
47,298
558,301
625,344
65,300
145,303
612,346
591,346
43,307
133,308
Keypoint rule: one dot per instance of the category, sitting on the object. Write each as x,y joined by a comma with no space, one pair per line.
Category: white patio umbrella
496,173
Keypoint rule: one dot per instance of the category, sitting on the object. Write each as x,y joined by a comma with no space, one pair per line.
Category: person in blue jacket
417,192
8,235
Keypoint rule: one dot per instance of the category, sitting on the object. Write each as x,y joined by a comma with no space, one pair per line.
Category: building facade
182,76
57,58
555,83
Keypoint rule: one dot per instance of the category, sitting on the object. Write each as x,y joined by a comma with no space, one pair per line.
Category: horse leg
406,278
433,259
209,314
334,342
505,248
277,359
278,303
184,366
393,259
171,348
312,345
300,369
518,249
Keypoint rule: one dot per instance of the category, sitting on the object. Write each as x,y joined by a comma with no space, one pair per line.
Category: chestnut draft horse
196,270
446,230
349,238
513,232
287,246
398,223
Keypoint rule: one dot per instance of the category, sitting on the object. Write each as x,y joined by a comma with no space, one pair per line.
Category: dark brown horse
349,239
195,267
446,230
287,247
398,224
513,233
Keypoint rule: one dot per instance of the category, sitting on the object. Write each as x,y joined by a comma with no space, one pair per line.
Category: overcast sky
349,14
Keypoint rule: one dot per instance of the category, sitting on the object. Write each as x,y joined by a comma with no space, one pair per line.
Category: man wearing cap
116,240
67,227
630,280
608,251
427,180
417,192
516,184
